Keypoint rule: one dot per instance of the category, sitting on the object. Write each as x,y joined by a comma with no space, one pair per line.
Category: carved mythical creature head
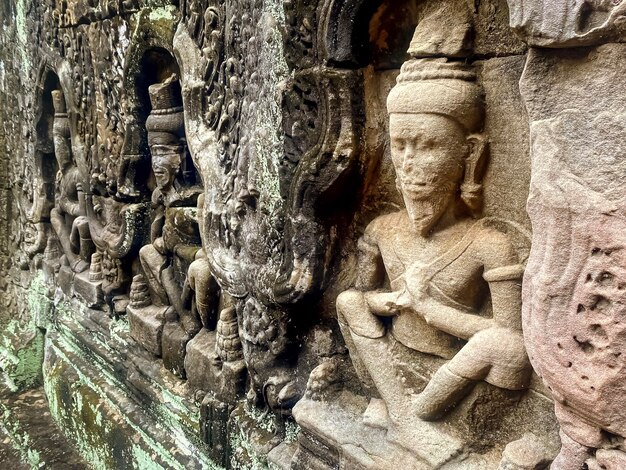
435,112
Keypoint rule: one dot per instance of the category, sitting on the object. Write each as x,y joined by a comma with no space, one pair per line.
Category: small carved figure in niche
68,217
173,170
131,158
175,236
444,267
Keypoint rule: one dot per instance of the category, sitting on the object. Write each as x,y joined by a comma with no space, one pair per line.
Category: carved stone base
200,361
64,279
334,436
90,292
205,371
173,345
146,326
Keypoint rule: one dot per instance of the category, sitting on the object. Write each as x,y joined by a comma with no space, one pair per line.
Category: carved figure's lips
414,183
417,188
424,188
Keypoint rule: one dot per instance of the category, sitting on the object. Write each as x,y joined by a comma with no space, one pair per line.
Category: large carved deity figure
453,286
68,216
175,237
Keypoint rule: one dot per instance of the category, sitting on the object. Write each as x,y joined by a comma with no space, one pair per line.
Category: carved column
574,286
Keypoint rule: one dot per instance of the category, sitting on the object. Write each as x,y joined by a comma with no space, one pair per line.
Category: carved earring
475,165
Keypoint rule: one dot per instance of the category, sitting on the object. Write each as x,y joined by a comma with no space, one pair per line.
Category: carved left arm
505,285
451,320
506,303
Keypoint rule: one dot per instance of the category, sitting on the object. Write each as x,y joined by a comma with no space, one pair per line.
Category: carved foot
528,452
80,266
281,393
322,379
376,414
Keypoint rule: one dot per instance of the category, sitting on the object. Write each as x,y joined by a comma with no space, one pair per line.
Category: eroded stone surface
562,23
573,300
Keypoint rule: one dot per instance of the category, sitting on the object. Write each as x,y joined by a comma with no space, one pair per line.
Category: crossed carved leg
444,389
495,355
153,264
372,348
64,235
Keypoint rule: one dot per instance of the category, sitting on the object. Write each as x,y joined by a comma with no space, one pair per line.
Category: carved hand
388,304
159,245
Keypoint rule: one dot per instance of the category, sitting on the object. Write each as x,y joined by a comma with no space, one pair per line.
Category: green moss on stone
20,440
22,342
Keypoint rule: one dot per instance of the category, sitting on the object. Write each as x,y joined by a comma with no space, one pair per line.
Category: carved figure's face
165,170
428,153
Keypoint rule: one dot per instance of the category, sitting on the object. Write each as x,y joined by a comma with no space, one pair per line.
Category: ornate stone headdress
165,125
439,87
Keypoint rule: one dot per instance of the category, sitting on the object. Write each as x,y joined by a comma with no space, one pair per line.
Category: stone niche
423,395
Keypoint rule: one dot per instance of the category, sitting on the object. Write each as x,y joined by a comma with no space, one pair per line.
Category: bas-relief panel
257,187
416,384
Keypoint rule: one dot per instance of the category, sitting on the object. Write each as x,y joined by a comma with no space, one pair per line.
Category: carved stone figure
279,264
174,234
68,217
445,268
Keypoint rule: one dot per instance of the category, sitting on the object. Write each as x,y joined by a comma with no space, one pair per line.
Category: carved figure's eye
398,145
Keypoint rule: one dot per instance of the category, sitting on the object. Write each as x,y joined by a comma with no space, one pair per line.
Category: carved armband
504,273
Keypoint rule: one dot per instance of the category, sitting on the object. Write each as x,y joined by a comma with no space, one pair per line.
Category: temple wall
315,234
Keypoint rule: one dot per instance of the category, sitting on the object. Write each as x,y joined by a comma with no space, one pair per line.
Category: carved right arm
371,272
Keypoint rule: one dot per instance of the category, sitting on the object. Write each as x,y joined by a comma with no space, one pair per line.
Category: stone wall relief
120,177
265,243
214,219
174,233
38,192
433,322
69,252
177,309
568,24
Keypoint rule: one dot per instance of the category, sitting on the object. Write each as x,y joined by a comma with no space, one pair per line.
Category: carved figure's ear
475,166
